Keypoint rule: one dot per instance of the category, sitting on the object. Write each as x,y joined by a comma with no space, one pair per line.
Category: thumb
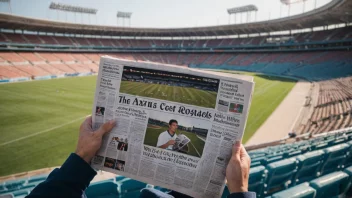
236,149
106,127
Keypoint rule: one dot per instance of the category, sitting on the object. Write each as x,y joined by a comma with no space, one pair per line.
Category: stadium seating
339,34
335,158
105,188
331,185
278,179
309,165
280,175
299,191
256,179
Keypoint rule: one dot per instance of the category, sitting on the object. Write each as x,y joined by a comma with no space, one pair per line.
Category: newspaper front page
210,109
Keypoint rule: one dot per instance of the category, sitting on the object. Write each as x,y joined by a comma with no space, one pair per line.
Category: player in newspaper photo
166,139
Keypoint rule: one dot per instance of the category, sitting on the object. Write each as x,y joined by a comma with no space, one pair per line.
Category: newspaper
207,111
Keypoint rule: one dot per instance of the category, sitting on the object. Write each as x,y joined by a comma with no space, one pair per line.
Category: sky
157,13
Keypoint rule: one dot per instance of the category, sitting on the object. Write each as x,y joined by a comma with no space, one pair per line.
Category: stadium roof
335,12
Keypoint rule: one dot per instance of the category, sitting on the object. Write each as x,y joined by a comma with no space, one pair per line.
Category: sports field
185,95
39,120
154,132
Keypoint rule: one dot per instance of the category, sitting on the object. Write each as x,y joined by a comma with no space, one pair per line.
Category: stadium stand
337,35
315,164
318,168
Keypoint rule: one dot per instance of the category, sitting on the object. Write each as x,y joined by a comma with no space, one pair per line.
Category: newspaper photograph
175,126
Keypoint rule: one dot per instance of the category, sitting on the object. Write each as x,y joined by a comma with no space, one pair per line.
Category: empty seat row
276,153
282,174
331,185
20,187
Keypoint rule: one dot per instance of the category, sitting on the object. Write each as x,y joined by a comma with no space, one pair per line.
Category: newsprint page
207,111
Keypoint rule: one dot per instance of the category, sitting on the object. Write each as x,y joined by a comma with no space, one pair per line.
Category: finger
87,122
106,127
89,119
244,154
236,149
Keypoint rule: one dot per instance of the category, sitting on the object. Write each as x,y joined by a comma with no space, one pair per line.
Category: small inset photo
176,133
120,143
236,108
98,159
165,85
109,162
99,111
223,105
120,165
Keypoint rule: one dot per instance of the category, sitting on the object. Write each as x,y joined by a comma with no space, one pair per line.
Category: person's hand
89,141
237,171
171,142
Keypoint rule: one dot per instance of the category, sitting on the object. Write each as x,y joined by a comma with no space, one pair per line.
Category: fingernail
238,143
112,122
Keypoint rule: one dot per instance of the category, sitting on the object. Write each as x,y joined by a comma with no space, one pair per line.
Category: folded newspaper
175,126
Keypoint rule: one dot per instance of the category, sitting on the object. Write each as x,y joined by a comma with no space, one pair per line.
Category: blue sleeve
242,195
70,180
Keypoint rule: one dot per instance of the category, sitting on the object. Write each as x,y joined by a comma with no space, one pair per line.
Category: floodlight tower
8,3
248,9
290,2
123,16
74,9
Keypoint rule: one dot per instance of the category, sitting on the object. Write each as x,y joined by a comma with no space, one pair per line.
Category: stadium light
75,9
123,16
71,8
290,2
9,4
243,9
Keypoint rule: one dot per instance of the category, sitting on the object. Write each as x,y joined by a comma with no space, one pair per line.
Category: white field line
195,149
201,138
41,132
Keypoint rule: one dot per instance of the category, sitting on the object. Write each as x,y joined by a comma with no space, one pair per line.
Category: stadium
298,132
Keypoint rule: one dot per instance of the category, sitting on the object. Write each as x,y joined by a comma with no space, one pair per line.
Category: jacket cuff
76,167
242,195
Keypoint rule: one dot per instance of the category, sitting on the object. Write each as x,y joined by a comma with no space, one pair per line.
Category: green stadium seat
280,175
334,158
106,188
14,184
339,140
258,161
331,185
20,193
348,170
320,146
119,178
131,186
300,191
348,161
256,180
309,165
255,164
37,178
292,153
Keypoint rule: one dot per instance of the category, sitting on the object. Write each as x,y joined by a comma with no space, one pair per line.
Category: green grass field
39,120
185,95
152,135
